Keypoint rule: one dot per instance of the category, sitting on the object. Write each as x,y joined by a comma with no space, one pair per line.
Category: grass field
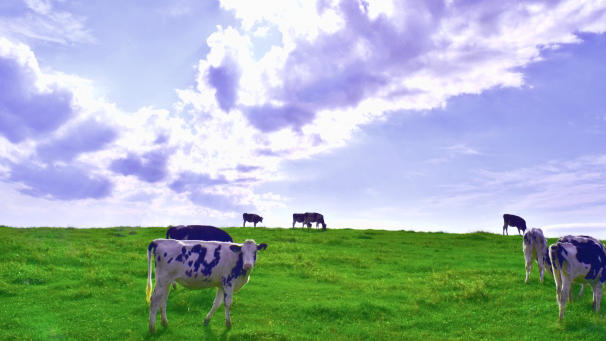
334,285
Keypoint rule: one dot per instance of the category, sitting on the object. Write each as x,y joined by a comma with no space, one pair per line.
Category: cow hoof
228,324
152,329
165,323
206,322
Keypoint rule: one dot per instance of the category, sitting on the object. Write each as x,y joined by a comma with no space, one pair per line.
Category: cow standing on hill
535,247
578,259
251,218
197,265
312,217
513,220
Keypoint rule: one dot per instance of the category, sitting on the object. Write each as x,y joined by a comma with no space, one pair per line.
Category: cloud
89,136
149,167
218,202
43,21
63,182
224,79
25,110
188,181
270,118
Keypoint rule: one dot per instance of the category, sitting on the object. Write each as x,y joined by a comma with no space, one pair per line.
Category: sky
428,116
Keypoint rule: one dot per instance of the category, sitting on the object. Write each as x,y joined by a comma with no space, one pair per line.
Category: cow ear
262,246
235,248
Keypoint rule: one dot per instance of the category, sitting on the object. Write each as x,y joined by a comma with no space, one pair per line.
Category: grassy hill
333,285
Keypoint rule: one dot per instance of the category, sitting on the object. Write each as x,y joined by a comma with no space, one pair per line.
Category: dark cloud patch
268,118
149,167
188,181
246,169
25,112
62,182
161,139
88,136
225,80
218,202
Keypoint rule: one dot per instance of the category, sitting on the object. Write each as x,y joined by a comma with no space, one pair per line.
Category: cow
515,221
578,259
534,245
312,217
197,265
252,218
197,232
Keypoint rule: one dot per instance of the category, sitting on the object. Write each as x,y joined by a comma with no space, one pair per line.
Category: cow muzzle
247,266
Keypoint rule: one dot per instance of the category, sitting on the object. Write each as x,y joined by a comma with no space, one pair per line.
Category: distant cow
535,247
312,217
251,218
578,259
513,220
197,232
197,265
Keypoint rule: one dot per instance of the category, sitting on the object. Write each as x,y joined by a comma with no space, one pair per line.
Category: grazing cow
252,218
197,265
578,259
535,247
298,218
312,217
197,232
515,221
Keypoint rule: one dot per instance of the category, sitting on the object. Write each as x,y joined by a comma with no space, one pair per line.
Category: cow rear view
579,259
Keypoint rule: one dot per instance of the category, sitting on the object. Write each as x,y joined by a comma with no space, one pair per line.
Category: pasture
308,285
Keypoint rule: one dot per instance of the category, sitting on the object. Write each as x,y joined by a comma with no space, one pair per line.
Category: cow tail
148,290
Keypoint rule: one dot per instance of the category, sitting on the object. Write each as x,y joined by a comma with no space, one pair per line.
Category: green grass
334,285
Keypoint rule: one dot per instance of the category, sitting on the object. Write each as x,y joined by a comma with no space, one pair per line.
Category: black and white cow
515,221
251,218
535,248
197,232
197,265
312,217
578,259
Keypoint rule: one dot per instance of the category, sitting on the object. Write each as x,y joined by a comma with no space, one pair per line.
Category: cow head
249,252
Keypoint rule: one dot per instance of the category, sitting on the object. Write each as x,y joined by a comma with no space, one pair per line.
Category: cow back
198,232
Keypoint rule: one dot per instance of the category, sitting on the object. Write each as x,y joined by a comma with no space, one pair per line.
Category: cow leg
541,267
157,300
505,229
558,282
216,304
174,285
597,296
228,291
255,224
566,283
163,306
244,223
528,259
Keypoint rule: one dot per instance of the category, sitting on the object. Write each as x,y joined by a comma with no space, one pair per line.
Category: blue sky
436,116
